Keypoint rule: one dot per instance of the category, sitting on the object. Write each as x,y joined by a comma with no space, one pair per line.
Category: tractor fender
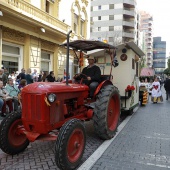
101,85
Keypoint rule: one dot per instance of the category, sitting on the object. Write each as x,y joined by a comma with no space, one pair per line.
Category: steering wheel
80,76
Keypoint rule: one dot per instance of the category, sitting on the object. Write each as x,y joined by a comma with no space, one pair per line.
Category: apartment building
31,32
114,21
146,26
159,55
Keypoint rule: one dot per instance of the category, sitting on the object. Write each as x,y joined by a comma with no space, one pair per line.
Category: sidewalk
143,144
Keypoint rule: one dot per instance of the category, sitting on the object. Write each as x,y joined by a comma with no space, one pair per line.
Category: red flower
129,88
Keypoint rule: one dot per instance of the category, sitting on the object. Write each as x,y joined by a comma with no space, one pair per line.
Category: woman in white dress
156,91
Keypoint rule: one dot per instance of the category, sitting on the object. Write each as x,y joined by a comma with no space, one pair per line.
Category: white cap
90,58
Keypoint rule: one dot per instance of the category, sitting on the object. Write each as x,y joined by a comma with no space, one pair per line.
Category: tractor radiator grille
33,106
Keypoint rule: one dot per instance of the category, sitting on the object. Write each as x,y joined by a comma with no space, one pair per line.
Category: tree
142,63
116,38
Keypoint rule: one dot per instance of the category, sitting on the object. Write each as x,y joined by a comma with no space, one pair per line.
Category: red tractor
57,111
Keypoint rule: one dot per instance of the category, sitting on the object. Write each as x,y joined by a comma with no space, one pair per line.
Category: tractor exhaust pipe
67,63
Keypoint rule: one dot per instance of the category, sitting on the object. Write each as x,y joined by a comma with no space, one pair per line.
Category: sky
160,10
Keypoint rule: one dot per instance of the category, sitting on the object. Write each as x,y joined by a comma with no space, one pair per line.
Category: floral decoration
129,88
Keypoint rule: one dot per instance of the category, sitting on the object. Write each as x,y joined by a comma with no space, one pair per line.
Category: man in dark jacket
167,87
21,75
92,75
51,77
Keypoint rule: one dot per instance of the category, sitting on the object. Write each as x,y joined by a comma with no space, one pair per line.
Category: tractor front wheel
70,145
11,140
107,112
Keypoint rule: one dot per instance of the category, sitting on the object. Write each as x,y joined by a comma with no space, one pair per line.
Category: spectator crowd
11,85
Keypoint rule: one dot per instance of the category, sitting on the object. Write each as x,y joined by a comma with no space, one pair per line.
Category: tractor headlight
51,97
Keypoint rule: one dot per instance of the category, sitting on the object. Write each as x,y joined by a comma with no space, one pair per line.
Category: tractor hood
57,87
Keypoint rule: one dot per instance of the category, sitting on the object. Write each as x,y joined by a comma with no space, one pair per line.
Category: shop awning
147,72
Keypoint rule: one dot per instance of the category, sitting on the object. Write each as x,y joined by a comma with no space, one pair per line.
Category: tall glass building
159,55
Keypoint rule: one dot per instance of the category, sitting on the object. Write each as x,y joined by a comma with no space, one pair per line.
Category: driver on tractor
91,75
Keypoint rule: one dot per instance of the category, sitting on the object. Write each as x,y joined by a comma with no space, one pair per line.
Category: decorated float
126,75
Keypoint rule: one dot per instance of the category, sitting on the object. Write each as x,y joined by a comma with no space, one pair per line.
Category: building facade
31,32
159,55
114,21
146,26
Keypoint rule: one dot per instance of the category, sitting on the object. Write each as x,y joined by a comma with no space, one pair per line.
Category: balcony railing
128,34
24,8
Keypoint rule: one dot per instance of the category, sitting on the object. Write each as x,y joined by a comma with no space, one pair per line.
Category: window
110,39
75,66
99,28
111,28
10,63
75,23
111,17
133,64
99,7
137,69
111,6
10,49
47,7
82,27
45,61
79,20
11,57
99,17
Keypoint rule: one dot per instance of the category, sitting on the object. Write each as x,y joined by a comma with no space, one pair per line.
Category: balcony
149,62
24,12
128,34
149,47
127,13
149,57
129,3
128,24
149,52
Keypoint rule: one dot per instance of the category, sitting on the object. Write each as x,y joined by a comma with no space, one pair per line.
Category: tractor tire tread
99,118
4,127
61,143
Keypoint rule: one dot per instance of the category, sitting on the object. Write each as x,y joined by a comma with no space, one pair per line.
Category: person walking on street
167,88
156,91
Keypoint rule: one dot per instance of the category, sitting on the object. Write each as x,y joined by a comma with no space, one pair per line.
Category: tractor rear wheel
11,140
70,145
107,112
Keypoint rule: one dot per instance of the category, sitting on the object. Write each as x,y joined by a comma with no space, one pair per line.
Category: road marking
87,165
